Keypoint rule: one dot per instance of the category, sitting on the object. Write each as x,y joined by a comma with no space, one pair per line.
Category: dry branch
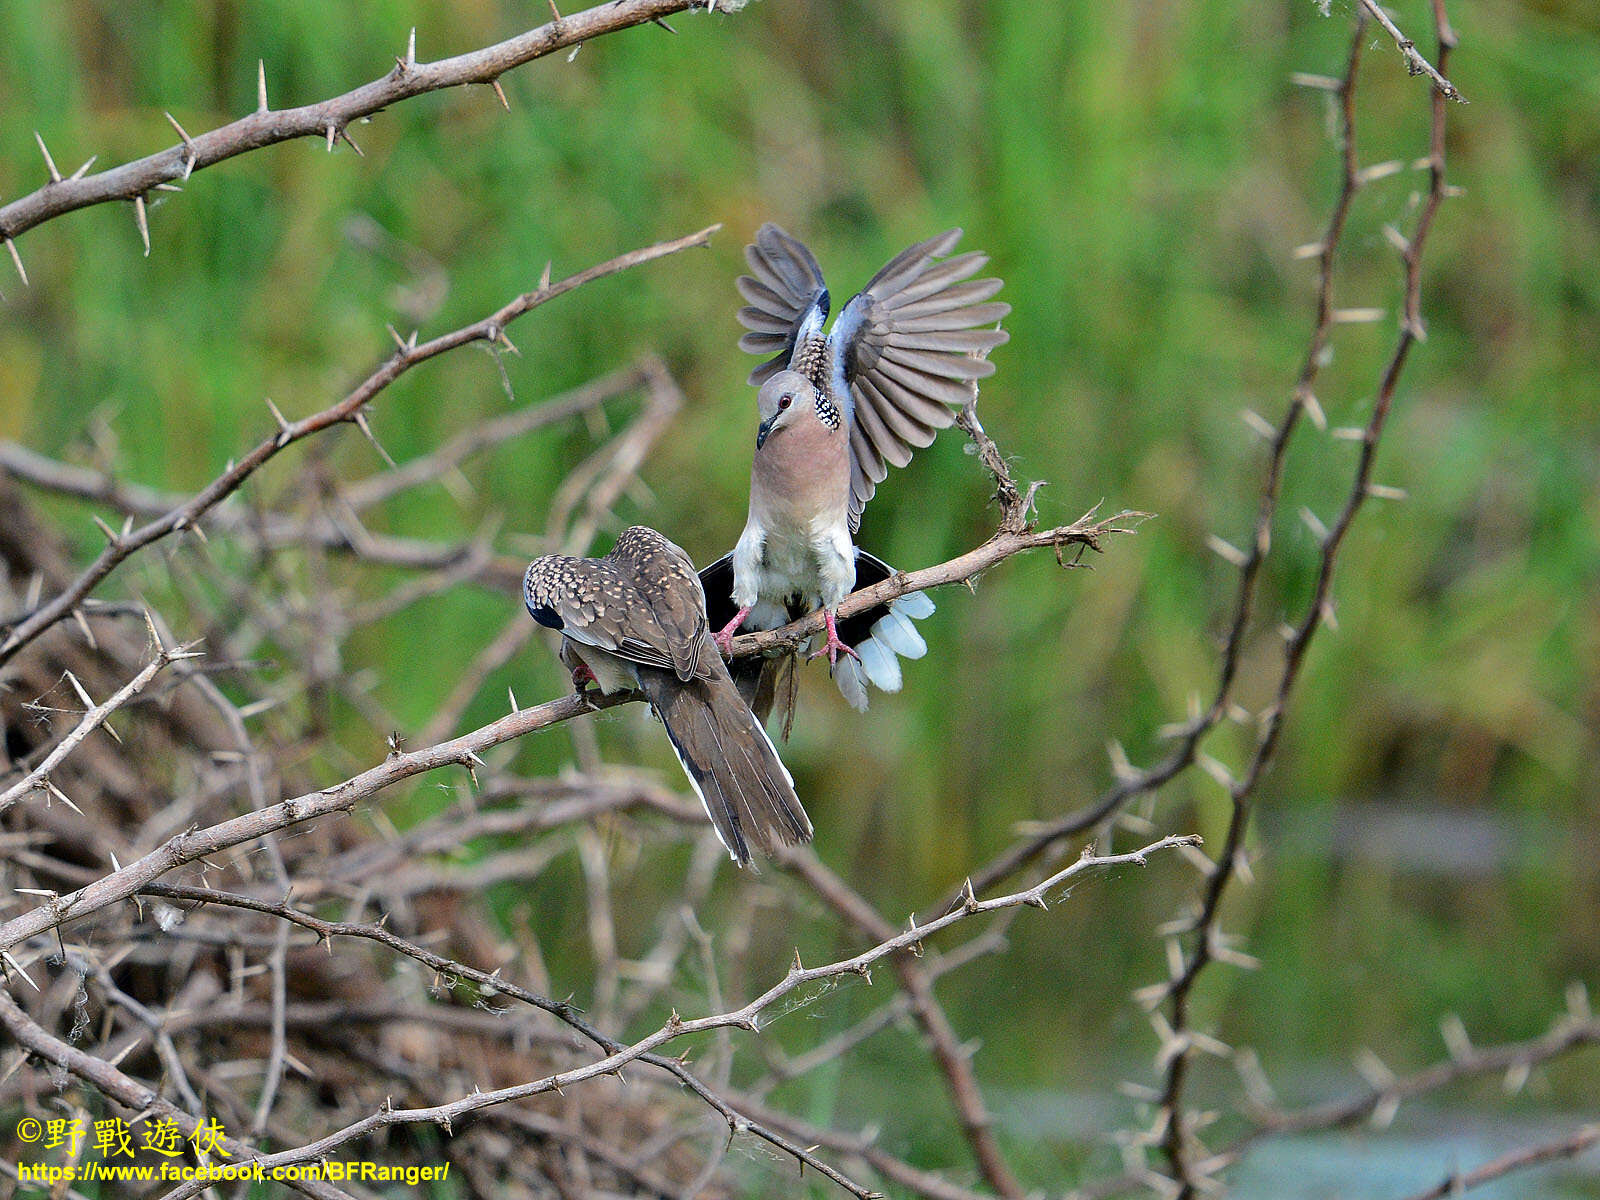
463,751
954,1064
1516,1060
745,1017
221,809
408,353
1048,836
1084,533
1458,1182
125,1090
93,718
1186,1156
1572,1033
196,844
486,435
1415,62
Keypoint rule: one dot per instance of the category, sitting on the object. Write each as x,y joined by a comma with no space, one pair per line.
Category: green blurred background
1141,174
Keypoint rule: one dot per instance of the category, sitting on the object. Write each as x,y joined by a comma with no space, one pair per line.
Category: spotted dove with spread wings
837,409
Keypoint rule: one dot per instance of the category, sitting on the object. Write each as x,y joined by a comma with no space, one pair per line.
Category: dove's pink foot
724,639
833,645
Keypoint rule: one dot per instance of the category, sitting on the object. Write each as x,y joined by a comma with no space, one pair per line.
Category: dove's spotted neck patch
812,358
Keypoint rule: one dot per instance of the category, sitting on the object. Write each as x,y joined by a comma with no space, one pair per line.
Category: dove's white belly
812,565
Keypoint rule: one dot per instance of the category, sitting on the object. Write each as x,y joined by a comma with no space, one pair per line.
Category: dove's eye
785,401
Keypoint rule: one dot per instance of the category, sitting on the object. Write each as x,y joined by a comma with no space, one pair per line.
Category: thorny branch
1415,62
1570,1146
94,717
496,985
745,1017
98,891
1574,1031
408,353
339,531
130,1093
196,844
464,751
1186,1156
1084,533
1131,782
329,119
954,1063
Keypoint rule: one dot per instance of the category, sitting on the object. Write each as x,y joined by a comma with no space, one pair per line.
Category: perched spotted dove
637,619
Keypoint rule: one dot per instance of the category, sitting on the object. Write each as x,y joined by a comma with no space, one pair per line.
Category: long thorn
190,154
261,85
183,133
143,223
156,643
55,175
361,423
16,261
283,424
83,693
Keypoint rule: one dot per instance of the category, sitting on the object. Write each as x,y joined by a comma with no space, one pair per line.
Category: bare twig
1190,735
192,845
1514,1059
1458,1182
187,847
862,1147
600,480
1573,1032
39,777
1415,62
836,1047
1084,533
488,434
